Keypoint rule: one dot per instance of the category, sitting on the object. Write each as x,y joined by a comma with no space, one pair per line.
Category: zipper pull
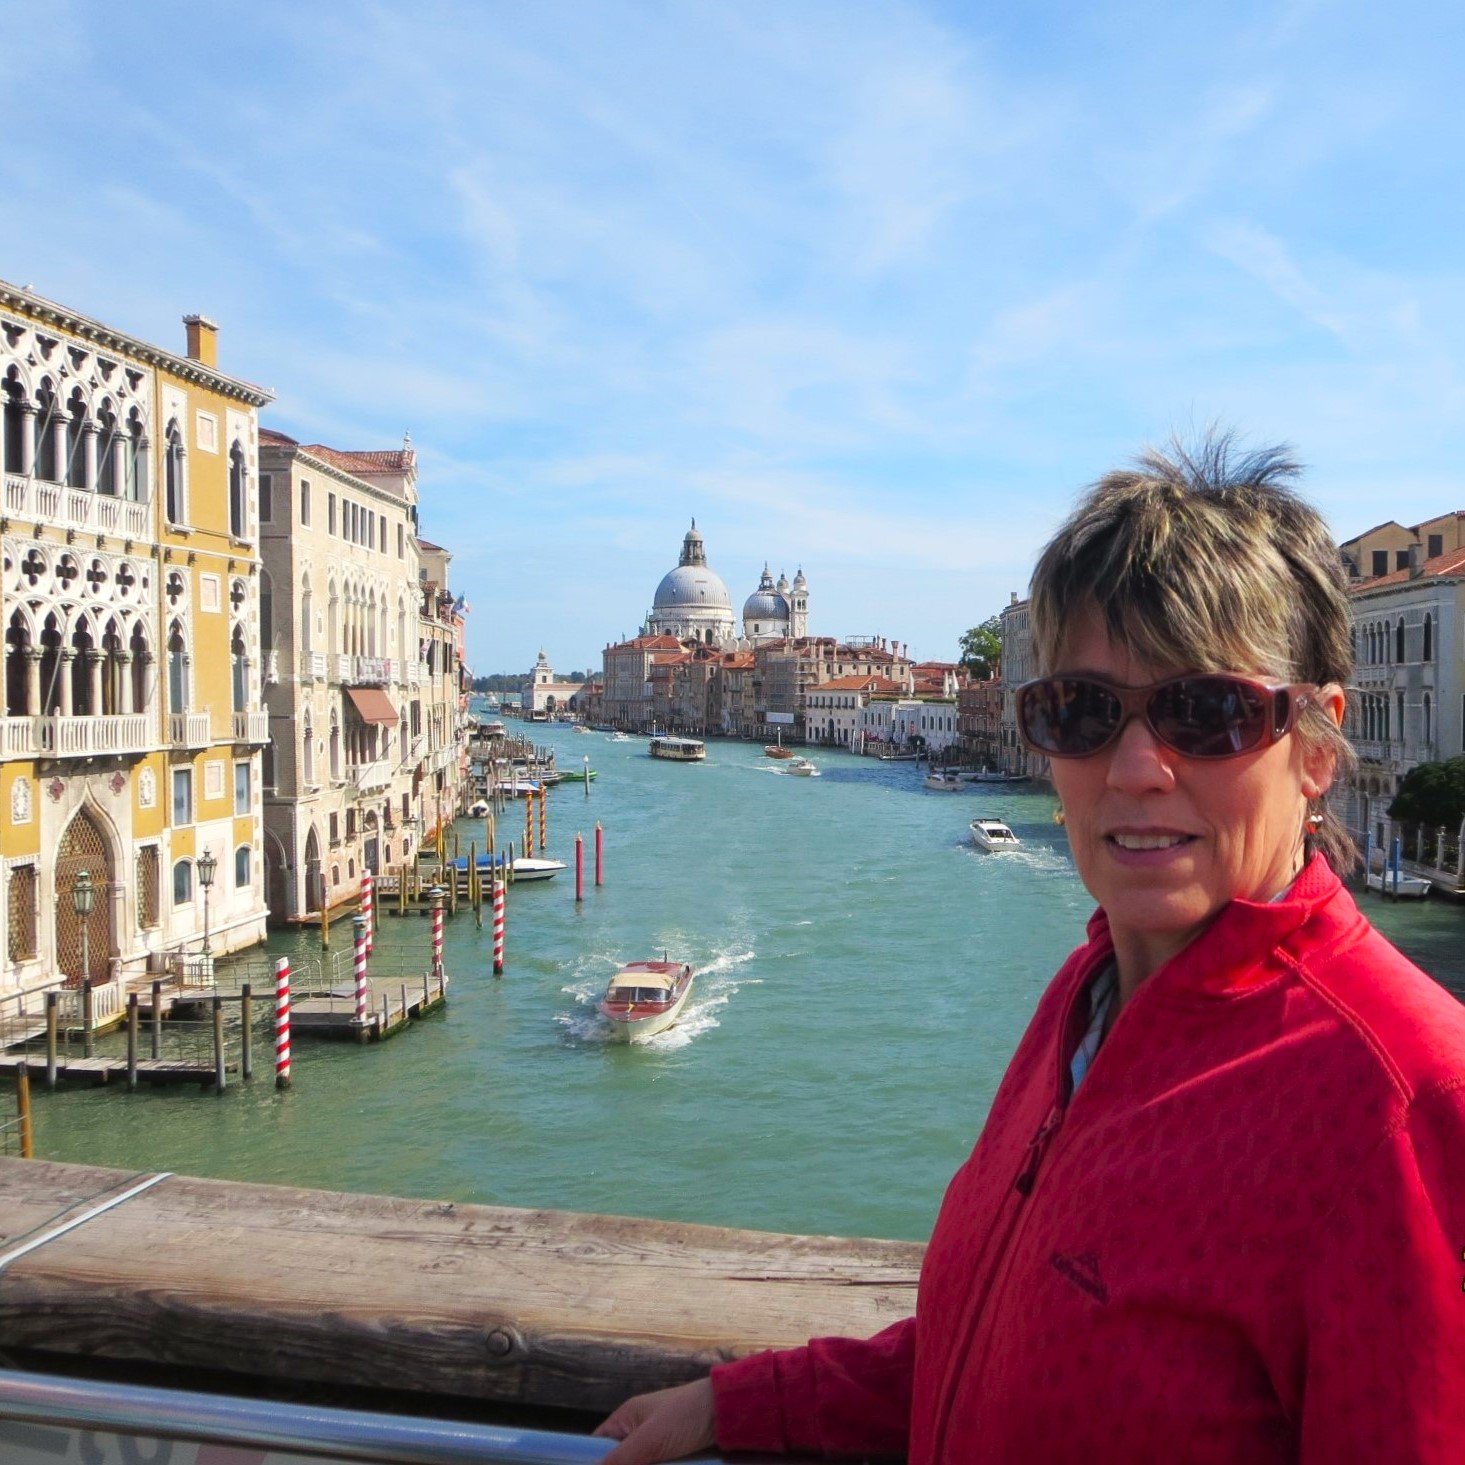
1036,1147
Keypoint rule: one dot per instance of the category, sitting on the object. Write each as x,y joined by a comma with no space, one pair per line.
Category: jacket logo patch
1083,1271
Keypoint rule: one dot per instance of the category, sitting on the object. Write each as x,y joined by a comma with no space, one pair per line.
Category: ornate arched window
175,475
1399,642
16,428
1428,653
177,669
238,493
182,882
47,411
107,450
1428,730
76,427
17,667
239,669
134,460
242,864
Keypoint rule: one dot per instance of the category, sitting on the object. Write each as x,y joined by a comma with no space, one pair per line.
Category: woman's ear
1319,760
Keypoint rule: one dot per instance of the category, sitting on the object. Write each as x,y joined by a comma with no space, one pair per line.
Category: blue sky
871,288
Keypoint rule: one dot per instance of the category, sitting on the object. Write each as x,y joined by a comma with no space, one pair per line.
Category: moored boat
992,835
1402,887
645,997
678,750
525,868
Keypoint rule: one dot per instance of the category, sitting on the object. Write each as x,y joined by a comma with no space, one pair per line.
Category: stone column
89,433
27,439
94,660
124,683
59,446
67,655
33,704
119,463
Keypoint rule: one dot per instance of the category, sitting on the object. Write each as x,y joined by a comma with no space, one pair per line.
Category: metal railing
132,1411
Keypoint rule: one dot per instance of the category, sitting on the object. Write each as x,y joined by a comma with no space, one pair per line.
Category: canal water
862,977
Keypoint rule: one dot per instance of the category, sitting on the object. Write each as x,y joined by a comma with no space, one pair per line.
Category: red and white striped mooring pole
282,1023
368,908
435,895
498,928
359,925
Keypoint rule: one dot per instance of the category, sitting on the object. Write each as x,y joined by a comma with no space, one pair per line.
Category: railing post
246,1036
282,1023
86,1015
157,1019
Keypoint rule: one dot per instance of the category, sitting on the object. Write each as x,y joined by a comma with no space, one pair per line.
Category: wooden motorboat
993,835
776,749
645,997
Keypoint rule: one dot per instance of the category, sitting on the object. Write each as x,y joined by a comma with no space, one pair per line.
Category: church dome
765,603
691,585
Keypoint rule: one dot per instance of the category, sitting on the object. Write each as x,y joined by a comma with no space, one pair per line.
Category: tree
981,648
1433,794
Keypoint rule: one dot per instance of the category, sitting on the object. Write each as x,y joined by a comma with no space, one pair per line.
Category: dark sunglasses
1199,715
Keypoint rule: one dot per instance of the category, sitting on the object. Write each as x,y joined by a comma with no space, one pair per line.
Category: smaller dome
782,581
765,605
799,582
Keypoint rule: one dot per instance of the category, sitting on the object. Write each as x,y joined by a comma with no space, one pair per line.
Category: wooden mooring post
246,1037
53,1000
219,1076
157,1019
132,1012
23,1112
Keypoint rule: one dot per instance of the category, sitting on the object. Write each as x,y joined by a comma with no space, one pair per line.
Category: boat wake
714,984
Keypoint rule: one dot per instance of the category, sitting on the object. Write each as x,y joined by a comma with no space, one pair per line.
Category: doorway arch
84,846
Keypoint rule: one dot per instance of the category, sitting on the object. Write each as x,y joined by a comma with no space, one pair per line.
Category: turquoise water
863,975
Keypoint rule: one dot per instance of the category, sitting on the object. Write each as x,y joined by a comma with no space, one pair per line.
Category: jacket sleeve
835,1396
1385,1301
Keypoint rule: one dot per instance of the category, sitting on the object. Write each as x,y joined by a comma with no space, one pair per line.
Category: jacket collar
1238,950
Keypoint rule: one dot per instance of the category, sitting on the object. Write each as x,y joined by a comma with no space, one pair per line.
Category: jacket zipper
1023,1184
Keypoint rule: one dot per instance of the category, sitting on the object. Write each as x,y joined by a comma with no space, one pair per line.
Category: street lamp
83,898
207,864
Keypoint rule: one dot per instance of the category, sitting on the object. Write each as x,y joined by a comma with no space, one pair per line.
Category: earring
1314,821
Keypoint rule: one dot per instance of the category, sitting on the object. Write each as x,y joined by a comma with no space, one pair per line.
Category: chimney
1416,561
1013,594
203,340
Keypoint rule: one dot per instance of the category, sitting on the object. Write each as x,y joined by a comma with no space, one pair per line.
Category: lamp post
83,898
207,865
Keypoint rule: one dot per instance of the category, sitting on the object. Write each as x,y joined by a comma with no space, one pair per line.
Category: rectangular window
1436,546
21,942
401,543
330,513
1401,559
242,789
149,878
1381,562
266,494
335,829
183,796
305,501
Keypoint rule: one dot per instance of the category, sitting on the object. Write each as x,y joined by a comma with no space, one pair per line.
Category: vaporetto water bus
678,750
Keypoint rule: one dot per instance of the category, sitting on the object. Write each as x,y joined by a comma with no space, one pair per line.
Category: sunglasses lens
1069,717
1210,717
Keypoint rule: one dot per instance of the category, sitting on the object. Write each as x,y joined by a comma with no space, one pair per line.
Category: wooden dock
91,1072
392,1002
314,1291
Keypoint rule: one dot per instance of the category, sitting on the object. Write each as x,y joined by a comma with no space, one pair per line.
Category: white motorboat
619,737
645,997
478,809
992,835
1404,887
801,768
678,750
944,781
525,868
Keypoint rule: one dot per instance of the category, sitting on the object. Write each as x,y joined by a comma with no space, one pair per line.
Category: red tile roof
1452,563
375,460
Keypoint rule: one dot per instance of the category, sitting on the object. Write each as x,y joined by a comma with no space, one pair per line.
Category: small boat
579,775
993,835
992,775
801,768
478,809
944,781
899,757
1406,887
518,788
619,737
776,748
645,997
678,750
525,868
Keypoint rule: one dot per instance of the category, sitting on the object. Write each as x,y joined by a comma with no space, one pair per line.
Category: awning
373,705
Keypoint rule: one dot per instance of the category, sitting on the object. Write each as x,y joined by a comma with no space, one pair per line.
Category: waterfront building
547,696
627,678
1018,667
340,634
925,723
786,672
1409,671
732,706
442,767
835,708
131,597
979,720
1387,548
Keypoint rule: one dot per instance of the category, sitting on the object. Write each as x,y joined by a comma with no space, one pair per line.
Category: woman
1218,1207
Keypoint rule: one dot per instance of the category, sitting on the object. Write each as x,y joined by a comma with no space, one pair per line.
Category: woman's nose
1138,761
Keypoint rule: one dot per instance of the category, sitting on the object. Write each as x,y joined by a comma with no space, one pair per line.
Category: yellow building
133,720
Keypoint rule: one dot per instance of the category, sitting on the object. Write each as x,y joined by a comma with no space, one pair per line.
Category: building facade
131,597
1018,666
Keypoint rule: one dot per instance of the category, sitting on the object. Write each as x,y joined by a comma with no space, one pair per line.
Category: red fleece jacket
1240,1240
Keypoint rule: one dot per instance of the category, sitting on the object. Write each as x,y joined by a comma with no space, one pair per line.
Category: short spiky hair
1205,559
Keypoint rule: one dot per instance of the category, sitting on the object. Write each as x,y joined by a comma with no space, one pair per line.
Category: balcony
366,671
414,673
367,778
312,666
189,729
20,738
76,508
94,737
252,727
1374,750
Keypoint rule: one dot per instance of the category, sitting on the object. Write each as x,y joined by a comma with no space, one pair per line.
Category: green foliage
1433,794
981,648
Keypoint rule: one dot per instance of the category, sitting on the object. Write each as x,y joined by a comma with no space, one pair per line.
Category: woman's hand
662,1426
